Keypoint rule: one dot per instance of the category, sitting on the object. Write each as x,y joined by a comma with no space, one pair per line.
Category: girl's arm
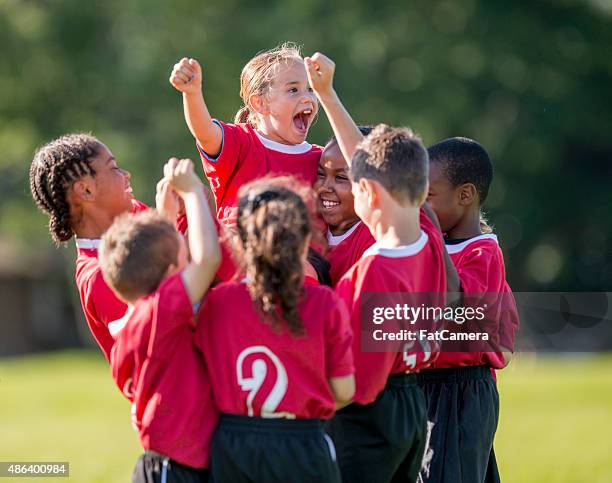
203,240
343,389
320,71
186,77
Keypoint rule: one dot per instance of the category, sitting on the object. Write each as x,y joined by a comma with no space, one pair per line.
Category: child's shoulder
487,243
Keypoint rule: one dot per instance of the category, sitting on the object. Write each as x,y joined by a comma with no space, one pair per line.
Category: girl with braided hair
277,349
77,182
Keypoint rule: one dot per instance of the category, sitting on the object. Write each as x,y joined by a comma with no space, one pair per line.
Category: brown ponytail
273,228
243,115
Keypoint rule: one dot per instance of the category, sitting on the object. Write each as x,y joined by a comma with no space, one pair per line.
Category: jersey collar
398,252
88,243
284,148
333,240
461,246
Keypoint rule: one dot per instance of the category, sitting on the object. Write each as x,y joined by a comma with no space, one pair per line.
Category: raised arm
186,77
453,284
320,71
203,240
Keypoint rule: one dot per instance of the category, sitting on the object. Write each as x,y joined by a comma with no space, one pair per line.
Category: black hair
55,166
463,160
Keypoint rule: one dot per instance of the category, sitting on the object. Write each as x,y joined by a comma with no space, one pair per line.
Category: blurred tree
530,80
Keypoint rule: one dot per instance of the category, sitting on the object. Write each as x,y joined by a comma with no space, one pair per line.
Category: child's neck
341,228
271,135
396,226
467,227
92,226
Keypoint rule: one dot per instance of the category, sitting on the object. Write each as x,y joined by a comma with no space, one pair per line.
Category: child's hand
320,71
181,176
186,76
166,200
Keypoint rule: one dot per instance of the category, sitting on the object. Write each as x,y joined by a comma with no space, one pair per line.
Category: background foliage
530,80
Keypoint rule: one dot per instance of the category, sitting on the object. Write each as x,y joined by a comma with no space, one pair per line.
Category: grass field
555,423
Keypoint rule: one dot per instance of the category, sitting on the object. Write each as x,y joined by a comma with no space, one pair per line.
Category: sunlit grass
555,423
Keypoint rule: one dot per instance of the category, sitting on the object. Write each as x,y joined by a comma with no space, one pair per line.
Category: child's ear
371,188
467,194
83,190
259,103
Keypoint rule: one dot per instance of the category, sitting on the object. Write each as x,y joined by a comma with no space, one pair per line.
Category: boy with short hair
154,362
462,396
382,436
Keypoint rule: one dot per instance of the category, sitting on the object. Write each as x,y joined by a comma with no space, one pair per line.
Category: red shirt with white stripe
100,305
257,371
414,268
480,265
346,249
157,367
245,156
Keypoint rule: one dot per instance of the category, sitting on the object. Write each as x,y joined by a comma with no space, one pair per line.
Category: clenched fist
186,76
320,71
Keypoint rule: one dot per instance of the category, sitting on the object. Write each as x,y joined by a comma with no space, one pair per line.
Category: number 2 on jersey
254,366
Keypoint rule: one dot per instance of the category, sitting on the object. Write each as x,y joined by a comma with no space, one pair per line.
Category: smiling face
113,192
289,107
333,188
443,198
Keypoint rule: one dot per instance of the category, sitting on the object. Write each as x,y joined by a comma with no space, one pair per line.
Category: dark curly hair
273,228
55,166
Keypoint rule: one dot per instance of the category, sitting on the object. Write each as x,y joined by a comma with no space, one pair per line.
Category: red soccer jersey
245,156
157,367
480,265
414,268
256,371
100,305
227,269
345,250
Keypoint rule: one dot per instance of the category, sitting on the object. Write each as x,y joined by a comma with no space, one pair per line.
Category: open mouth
301,120
329,205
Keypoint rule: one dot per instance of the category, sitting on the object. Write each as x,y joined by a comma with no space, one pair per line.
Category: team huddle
231,316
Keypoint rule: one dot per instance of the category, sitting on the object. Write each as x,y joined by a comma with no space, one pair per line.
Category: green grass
555,423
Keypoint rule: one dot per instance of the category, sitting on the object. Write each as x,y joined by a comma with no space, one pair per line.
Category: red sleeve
106,305
219,170
480,270
339,338
172,309
372,369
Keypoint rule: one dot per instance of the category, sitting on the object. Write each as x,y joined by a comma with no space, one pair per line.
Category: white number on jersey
252,369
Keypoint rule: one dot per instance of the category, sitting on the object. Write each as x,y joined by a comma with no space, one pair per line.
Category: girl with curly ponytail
76,181
278,351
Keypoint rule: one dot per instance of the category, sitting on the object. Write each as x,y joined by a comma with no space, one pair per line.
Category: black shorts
247,449
463,409
383,441
153,467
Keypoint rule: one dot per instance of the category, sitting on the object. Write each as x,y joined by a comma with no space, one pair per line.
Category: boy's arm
320,70
186,77
203,241
453,284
